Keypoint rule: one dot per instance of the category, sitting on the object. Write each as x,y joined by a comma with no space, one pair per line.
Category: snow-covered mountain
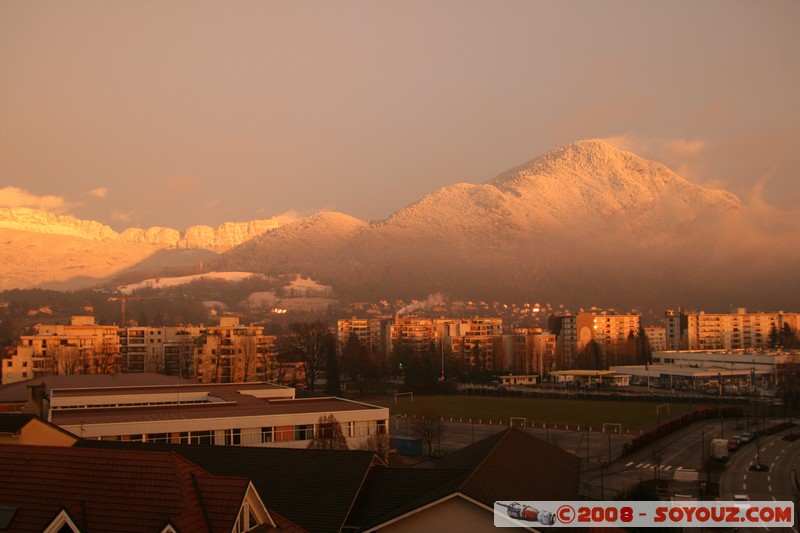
582,223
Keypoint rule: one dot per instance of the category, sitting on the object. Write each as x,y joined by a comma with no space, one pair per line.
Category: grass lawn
632,415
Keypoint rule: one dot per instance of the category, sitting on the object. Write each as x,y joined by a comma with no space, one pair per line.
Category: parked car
733,443
746,437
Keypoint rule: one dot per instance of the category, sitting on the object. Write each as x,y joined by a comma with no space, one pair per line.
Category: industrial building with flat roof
248,414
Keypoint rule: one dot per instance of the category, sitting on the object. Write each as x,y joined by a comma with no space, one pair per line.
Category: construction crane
124,298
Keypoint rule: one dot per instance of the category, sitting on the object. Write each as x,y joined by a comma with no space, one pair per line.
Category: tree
645,353
590,357
401,355
329,435
788,338
774,336
248,352
427,424
352,355
333,373
377,443
312,341
66,359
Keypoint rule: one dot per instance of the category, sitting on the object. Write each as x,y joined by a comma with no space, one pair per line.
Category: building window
200,437
162,438
267,435
304,432
24,364
233,437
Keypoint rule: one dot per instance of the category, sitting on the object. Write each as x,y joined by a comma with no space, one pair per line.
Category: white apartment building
81,347
729,331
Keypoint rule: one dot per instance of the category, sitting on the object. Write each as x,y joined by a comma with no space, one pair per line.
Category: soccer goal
517,422
409,394
612,427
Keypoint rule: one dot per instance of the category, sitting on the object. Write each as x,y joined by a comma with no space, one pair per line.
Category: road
780,456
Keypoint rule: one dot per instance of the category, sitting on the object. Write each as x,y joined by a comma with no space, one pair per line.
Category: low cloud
99,192
123,216
686,157
287,217
17,197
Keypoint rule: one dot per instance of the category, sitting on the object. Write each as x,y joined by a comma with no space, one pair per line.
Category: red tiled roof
115,490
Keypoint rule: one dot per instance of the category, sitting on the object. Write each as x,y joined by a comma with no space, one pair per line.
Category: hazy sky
176,113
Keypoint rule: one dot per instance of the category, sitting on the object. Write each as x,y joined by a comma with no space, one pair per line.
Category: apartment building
417,333
609,331
478,342
370,332
534,351
657,337
738,330
230,352
166,350
80,347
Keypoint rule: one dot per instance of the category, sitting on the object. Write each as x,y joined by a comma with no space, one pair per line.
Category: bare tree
427,424
377,443
312,340
248,354
66,360
329,435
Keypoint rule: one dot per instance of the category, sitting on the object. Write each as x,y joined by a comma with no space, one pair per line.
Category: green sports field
632,415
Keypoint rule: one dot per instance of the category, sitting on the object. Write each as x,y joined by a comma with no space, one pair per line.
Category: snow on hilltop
165,283
595,178
569,187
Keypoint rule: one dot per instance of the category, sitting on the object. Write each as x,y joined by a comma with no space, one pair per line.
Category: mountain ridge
582,220
218,239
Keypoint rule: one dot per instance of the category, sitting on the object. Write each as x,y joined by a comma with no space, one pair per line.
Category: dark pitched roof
523,467
390,492
510,465
122,490
12,423
313,488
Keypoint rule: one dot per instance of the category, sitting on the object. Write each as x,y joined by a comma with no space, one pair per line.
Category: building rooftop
313,488
241,406
12,423
511,465
115,490
17,392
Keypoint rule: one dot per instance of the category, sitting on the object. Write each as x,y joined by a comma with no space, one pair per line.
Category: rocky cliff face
219,239
37,221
